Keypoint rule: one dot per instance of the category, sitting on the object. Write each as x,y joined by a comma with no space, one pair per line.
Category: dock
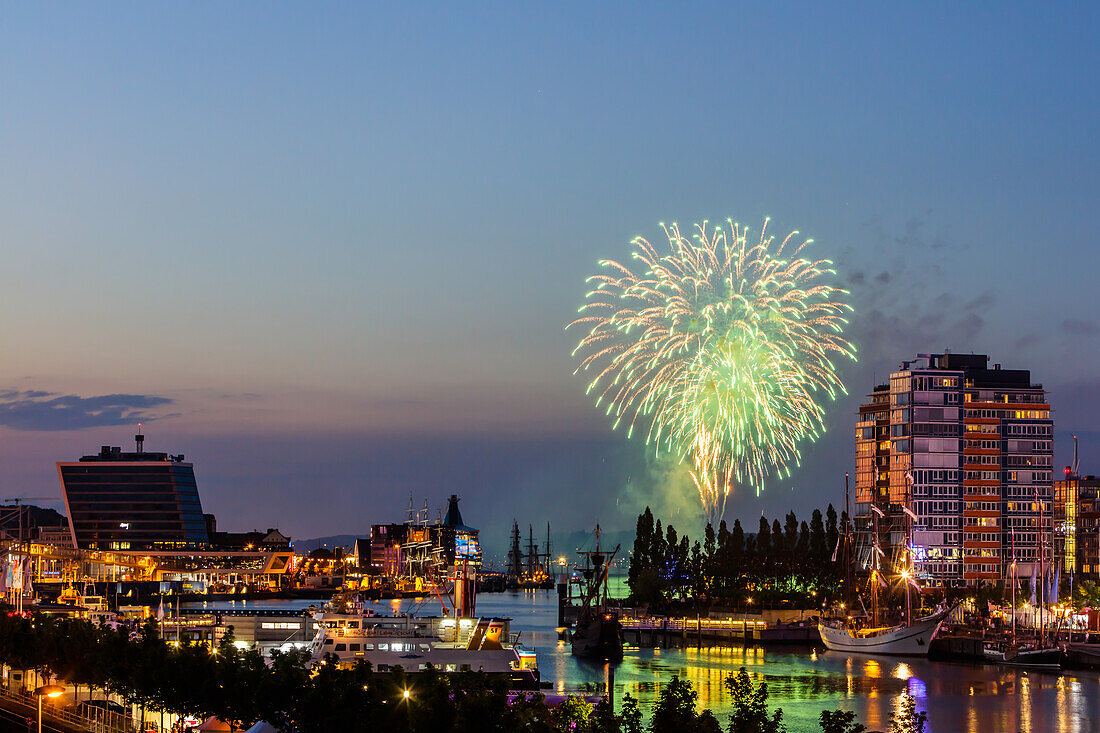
684,632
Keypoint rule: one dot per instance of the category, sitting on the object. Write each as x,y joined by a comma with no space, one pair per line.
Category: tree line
792,560
241,687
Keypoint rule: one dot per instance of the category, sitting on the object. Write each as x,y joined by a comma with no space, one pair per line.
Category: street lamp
46,691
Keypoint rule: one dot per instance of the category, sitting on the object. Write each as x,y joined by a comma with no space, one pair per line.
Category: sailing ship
597,633
530,569
1036,653
912,637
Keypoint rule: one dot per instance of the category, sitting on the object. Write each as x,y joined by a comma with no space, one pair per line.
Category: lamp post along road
46,691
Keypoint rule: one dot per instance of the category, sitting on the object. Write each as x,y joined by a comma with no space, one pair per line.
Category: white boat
447,644
903,640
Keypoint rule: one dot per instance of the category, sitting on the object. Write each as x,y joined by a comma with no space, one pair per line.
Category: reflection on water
972,697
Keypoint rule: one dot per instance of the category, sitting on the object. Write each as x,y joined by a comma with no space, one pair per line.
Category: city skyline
330,256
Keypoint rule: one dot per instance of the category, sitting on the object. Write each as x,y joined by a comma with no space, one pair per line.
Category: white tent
262,726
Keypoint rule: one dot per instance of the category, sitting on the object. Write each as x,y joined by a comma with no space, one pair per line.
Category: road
13,719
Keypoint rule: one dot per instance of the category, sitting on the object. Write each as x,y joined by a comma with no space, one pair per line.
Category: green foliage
631,718
792,562
240,687
840,721
674,710
1086,593
750,706
604,720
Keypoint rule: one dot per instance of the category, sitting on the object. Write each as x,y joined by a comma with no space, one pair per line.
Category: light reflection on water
972,697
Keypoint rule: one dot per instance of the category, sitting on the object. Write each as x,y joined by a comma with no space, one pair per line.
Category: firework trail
718,350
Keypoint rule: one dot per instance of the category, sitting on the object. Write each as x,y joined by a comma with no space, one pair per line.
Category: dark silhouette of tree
832,532
631,717
818,546
674,710
840,721
750,706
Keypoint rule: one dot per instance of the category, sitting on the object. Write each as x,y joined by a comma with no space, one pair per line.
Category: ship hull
600,639
909,641
1047,659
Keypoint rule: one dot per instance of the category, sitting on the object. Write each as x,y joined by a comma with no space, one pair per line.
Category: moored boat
911,639
446,644
1037,656
597,633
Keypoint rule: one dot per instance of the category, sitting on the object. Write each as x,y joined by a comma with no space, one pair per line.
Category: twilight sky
327,251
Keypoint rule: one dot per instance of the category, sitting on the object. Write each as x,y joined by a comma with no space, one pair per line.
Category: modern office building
957,455
1077,524
132,501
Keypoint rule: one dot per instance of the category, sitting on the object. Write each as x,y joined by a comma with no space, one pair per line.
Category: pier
684,632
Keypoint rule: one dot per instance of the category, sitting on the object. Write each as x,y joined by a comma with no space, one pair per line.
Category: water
975,698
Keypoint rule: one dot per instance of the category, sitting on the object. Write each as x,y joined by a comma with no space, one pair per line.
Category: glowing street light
46,691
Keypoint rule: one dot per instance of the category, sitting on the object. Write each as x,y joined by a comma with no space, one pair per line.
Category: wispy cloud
1077,327
39,410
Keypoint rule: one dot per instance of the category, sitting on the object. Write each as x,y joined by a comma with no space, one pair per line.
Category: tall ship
528,568
597,632
868,635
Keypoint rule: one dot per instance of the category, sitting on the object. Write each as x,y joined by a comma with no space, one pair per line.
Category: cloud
1025,341
982,302
38,410
1076,327
970,326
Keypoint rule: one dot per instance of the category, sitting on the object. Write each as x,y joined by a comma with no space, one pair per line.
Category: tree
569,715
674,711
737,544
698,573
763,547
802,549
750,706
604,720
631,716
832,533
905,718
640,558
818,550
840,721
790,532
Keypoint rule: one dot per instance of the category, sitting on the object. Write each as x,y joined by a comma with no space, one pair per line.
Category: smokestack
140,440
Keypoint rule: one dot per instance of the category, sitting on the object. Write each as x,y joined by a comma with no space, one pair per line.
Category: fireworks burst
718,350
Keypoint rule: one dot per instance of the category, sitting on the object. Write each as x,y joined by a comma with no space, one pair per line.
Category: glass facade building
132,501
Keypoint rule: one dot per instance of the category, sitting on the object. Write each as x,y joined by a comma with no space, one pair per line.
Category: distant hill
495,548
337,540
33,516
562,544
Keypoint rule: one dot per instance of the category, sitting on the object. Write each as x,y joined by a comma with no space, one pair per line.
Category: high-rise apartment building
954,459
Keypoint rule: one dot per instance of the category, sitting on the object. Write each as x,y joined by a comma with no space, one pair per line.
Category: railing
690,624
86,717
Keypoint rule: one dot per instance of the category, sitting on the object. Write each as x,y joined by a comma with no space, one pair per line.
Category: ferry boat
449,645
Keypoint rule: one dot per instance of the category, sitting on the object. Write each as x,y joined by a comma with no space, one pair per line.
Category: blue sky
329,250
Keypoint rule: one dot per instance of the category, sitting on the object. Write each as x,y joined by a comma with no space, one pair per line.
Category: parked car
109,705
